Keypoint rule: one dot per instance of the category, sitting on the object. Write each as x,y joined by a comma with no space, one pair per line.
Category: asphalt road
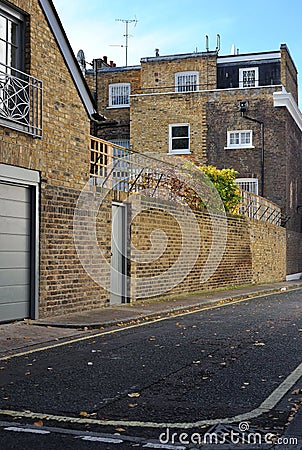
209,365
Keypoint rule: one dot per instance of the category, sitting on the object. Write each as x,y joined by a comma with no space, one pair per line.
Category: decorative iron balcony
20,101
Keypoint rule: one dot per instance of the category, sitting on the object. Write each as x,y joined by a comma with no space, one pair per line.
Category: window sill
118,106
179,152
239,147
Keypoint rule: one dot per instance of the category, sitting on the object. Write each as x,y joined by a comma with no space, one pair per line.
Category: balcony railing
20,101
259,208
120,169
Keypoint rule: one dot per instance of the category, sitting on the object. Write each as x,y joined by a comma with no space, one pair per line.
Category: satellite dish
81,60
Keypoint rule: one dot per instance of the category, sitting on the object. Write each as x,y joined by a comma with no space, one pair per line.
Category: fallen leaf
120,430
133,405
39,423
84,414
134,395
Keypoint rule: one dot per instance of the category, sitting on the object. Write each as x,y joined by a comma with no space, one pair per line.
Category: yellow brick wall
289,73
255,252
152,114
63,159
160,73
104,79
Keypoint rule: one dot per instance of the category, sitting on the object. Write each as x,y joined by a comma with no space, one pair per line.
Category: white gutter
286,99
68,55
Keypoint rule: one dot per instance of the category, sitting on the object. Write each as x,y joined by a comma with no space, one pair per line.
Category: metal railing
259,208
120,169
20,101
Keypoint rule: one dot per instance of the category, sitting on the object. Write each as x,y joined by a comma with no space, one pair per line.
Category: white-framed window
179,138
186,81
239,139
248,184
119,95
249,77
11,38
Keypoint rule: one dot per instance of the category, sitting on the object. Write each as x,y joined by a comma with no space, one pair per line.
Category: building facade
45,113
235,111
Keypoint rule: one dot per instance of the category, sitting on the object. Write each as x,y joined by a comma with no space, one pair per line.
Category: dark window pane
181,131
180,144
13,37
11,56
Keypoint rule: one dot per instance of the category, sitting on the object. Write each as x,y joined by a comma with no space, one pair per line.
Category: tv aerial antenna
126,35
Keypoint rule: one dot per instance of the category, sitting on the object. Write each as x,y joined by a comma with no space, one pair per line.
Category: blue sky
181,26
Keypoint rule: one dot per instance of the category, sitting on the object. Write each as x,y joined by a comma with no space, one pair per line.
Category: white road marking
164,446
269,403
26,430
100,439
265,406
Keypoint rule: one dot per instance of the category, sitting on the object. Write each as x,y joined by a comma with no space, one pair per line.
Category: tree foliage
224,181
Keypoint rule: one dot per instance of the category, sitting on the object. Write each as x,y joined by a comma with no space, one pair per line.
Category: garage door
15,238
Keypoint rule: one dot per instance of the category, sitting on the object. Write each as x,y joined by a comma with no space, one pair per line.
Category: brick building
44,164
112,88
235,111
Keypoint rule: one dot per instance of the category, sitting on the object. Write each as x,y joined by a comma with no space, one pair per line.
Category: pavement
21,336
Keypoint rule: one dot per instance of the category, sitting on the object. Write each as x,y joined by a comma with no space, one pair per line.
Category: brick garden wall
255,252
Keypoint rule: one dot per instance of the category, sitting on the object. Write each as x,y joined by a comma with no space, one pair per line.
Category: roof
114,69
69,57
178,56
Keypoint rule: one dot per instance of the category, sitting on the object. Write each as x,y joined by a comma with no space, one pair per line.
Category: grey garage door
15,235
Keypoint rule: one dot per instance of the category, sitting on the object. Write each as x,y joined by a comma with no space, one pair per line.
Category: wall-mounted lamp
243,106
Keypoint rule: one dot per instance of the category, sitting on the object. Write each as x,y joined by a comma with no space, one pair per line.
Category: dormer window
186,81
248,77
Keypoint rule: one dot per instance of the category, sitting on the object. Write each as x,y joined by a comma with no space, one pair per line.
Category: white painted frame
251,181
248,69
29,178
179,151
240,144
121,87
186,87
